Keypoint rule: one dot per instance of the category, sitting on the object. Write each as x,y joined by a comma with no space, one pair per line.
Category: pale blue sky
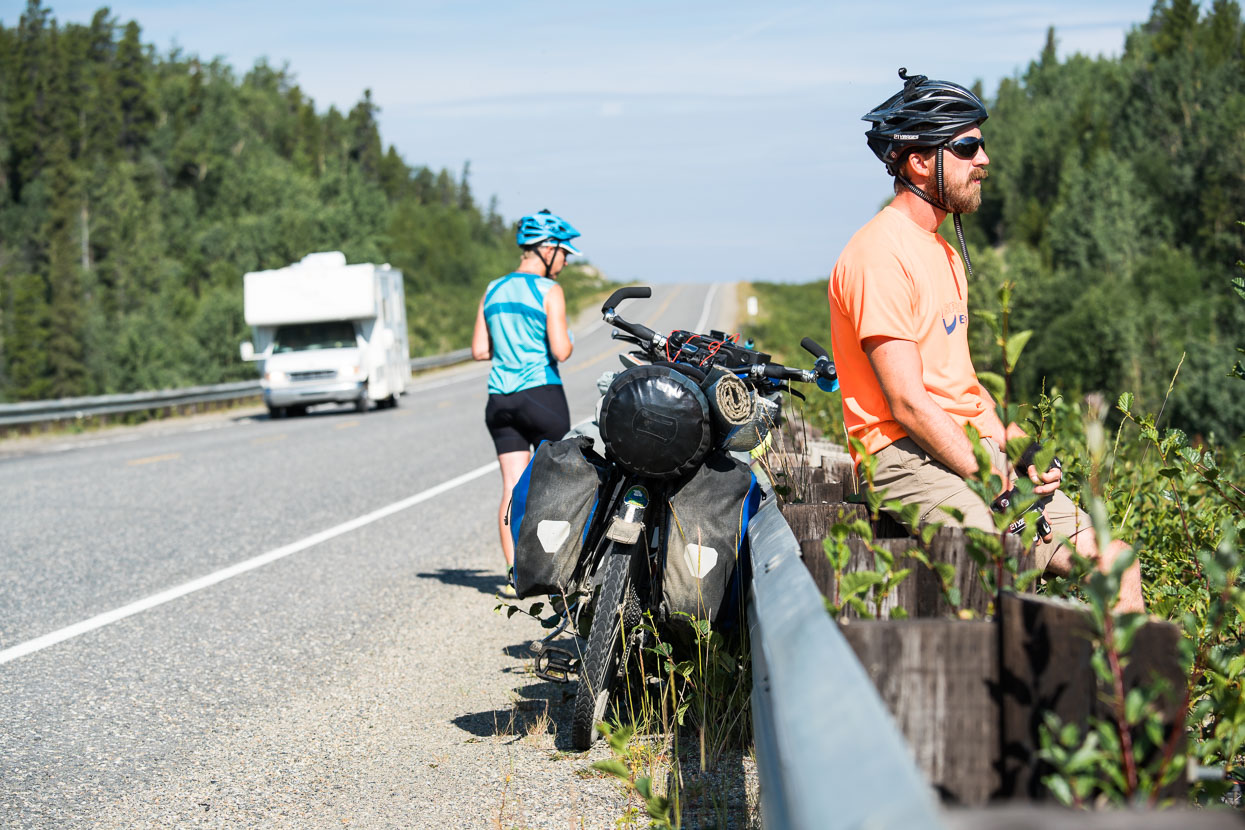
687,141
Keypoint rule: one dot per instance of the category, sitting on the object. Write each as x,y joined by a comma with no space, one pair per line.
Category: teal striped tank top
514,309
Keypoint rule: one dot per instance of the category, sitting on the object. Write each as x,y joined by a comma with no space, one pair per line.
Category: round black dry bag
655,421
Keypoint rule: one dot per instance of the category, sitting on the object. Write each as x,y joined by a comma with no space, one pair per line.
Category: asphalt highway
229,620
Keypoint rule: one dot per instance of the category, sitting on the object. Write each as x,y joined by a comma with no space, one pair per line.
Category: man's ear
919,165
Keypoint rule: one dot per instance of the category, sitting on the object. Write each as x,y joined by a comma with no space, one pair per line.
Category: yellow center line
153,459
268,439
347,425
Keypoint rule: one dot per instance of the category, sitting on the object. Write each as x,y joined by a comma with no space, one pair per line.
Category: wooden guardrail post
938,678
1045,650
970,696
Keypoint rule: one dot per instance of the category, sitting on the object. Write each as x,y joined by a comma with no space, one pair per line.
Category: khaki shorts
908,473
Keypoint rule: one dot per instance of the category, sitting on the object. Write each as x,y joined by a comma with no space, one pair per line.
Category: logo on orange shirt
956,312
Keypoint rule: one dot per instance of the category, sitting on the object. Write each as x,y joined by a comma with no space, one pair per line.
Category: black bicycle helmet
923,114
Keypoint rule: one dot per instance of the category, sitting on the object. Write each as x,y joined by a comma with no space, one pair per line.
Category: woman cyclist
521,327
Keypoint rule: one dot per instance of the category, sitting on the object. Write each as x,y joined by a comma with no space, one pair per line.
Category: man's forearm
939,435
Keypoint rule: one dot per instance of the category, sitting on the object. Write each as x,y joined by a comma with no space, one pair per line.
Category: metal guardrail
828,752
66,409
436,361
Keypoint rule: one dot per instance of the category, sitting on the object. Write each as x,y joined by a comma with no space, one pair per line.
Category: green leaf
885,559
897,577
1134,703
613,767
994,383
1026,578
1059,788
1125,403
858,605
857,582
1016,345
644,787
991,319
1085,755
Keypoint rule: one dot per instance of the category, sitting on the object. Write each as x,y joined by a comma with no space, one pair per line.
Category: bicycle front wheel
599,668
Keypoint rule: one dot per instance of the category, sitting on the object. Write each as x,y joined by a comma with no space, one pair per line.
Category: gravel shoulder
434,721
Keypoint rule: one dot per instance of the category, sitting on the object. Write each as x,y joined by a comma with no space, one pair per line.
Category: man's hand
1047,482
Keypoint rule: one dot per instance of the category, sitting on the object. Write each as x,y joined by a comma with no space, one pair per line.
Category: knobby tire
605,646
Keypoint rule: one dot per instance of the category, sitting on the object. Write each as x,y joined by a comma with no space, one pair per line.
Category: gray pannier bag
550,510
709,516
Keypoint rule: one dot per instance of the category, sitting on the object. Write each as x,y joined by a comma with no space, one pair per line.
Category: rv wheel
275,412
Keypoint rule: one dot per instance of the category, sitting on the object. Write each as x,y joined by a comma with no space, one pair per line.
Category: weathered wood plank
1045,652
813,553
938,678
1032,817
812,522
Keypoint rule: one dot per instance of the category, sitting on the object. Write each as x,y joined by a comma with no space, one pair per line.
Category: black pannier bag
706,536
550,508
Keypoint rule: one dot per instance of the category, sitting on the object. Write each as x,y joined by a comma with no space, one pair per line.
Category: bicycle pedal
555,664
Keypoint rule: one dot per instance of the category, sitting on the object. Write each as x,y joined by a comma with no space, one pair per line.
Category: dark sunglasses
967,147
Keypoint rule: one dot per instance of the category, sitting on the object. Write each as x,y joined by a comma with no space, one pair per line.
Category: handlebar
814,348
647,337
822,373
631,292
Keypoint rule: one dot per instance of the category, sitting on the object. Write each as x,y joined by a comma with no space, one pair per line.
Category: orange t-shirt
896,279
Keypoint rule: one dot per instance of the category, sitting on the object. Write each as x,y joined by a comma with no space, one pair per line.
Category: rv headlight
349,371
275,377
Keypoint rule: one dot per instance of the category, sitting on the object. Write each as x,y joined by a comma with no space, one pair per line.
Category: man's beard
965,197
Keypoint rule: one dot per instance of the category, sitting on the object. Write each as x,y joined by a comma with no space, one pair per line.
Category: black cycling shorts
523,419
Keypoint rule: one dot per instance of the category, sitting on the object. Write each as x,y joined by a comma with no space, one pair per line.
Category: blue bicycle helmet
546,228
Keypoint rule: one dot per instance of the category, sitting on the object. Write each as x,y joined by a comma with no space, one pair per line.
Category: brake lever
615,334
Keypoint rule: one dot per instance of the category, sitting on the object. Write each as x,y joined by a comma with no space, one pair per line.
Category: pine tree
137,113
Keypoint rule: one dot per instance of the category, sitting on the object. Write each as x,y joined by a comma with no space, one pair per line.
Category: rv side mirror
247,350
388,338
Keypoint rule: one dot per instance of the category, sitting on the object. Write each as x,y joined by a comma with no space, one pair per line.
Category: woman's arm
481,343
555,324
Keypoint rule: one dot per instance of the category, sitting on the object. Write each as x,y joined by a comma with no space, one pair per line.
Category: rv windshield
337,334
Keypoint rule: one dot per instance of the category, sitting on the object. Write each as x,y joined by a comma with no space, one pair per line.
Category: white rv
327,332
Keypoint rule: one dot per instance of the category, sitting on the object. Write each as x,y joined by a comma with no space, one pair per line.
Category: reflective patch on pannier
700,560
709,516
552,534
551,507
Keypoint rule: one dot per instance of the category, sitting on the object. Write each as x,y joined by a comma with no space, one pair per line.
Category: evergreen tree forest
1115,193
136,190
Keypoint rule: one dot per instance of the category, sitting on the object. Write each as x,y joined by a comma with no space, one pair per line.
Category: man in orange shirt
899,322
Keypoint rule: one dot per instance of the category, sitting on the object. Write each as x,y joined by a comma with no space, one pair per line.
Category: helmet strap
941,204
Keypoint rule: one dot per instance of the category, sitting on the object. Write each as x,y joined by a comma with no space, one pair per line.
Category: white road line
704,314
101,620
